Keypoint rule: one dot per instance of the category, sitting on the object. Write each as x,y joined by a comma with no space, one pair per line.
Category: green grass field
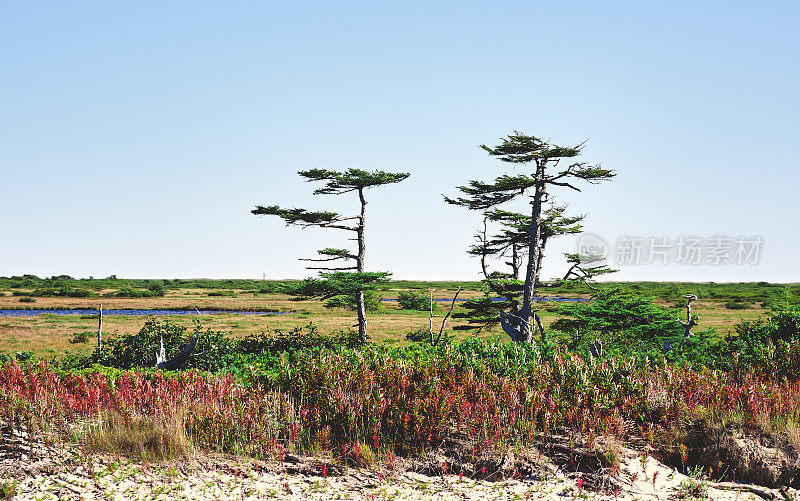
50,335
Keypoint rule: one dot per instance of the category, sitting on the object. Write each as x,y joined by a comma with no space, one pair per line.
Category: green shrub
627,323
419,335
80,337
214,349
409,300
157,288
9,489
132,293
26,299
64,291
771,346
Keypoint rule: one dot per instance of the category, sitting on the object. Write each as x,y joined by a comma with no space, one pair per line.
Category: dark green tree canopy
519,148
486,195
300,217
337,183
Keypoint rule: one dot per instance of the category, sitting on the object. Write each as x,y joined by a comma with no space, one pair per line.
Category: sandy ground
65,472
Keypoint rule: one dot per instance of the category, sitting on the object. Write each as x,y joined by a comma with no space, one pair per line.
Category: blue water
127,312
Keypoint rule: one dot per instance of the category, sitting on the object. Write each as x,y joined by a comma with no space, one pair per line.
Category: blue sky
135,137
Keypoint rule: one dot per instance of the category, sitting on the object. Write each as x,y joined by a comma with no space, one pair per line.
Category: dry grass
609,450
151,438
793,434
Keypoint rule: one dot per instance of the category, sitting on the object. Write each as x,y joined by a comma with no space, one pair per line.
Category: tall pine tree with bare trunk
503,290
351,278
544,158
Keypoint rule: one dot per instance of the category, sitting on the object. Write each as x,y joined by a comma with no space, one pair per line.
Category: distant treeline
735,295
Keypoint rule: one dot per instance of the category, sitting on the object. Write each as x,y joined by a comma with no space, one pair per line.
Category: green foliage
157,287
337,284
484,312
337,183
63,291
214,349
8,489
297,216
418,336
373,301
26,299
771,346
80,337
409,300
132,293
625,322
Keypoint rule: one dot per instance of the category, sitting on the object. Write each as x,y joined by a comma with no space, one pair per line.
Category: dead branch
444,321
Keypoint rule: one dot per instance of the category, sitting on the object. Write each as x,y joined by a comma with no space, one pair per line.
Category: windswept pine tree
544,158
346,271
503,290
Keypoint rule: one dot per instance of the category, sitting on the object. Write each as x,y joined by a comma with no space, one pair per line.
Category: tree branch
332,269
559,183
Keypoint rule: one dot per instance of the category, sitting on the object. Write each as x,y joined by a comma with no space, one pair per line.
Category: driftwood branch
444,321
178,361
690,322
762,492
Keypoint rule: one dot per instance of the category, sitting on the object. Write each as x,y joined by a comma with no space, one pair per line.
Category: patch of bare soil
558,472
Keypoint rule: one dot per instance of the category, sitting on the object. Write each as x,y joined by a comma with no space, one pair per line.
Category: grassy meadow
50,334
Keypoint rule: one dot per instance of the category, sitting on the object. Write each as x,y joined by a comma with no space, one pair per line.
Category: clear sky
135,137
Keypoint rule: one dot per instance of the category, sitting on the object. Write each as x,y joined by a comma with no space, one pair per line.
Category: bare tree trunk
100,332
430,320
534,252
362,250
362,318
540,326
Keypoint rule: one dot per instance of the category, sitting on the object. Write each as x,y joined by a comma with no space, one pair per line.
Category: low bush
132,293
26,299
80,337
419,335
409,300
65,291
400,400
